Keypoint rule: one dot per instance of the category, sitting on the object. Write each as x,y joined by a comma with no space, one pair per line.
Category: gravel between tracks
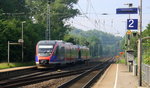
53,83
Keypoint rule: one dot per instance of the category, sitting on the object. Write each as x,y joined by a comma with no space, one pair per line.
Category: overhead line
86,15
78,23
99,20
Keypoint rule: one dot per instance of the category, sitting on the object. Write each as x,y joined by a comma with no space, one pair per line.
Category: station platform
117,76
16,68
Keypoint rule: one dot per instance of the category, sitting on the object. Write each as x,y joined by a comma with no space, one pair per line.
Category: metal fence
146,74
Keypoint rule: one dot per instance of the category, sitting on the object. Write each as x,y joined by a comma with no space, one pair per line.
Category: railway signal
129,32
121,53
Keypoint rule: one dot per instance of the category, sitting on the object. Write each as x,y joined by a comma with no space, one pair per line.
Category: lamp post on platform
47,32
22,39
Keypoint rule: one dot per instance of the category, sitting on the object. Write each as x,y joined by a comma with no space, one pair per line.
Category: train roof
68,43
50,42
83,47
46,42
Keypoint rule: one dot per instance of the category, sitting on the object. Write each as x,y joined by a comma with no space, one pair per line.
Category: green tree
100,43
10,9
60,12
146,45
10,30
34,13
95,46
70,38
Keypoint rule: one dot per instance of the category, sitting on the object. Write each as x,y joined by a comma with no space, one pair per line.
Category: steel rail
81,81
18,72
38,78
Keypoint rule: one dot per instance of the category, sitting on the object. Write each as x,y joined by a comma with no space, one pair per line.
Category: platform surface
117,76
16,68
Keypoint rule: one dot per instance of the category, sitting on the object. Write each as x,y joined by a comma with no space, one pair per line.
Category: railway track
14,73
86,79
38,77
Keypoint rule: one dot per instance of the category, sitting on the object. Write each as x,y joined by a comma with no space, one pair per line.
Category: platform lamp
22,39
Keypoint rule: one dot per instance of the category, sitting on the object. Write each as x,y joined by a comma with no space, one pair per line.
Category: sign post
132,24
20,41
140,44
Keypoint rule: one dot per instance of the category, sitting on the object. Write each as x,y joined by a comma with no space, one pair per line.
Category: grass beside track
121,61
16,64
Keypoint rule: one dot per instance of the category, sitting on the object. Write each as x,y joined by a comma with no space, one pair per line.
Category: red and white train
51,53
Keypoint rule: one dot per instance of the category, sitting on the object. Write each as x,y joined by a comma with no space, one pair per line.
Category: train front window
45,50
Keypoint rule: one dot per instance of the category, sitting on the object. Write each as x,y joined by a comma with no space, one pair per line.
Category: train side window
79,54
63,50
57,51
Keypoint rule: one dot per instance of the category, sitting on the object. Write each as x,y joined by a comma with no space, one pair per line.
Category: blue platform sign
127,11
132,24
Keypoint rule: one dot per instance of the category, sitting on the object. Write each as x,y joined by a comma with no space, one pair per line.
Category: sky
92,15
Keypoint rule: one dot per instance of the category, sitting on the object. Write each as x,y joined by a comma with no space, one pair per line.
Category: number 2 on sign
131,21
